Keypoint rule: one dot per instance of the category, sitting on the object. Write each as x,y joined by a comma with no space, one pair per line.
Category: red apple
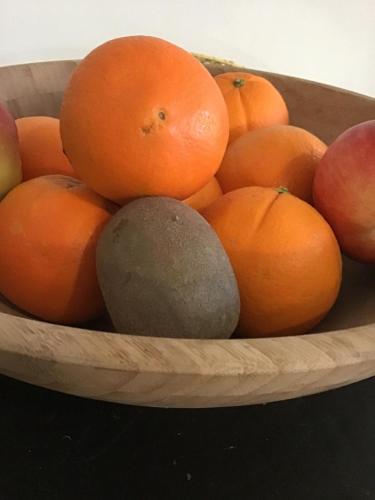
7,122
344,190
10,161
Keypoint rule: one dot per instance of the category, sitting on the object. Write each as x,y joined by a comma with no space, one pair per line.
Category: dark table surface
55,446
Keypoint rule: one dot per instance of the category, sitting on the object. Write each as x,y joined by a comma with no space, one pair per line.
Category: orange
279,155
141,117
205,196
40,147
285,256
252,102
49,227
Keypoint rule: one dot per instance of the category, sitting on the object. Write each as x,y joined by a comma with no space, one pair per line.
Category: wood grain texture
196,373
35,89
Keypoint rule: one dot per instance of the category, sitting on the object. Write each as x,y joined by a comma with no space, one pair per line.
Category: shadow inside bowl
103,324
355,305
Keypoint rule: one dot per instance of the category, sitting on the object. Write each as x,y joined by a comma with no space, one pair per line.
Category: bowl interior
354,307
32,89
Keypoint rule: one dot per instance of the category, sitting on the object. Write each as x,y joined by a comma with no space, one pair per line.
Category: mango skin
8,123
10,160
344,190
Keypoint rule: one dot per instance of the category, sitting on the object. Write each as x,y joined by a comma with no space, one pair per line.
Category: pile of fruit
181,204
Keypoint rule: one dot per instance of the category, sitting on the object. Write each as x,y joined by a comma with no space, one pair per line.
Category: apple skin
344,190
7,122
10,160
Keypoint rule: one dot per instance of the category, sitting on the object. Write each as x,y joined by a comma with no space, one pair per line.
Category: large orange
279,155
252,102
285,256
142,117
205,196
40,147
49,227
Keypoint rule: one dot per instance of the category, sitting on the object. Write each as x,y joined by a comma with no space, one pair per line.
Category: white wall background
331,41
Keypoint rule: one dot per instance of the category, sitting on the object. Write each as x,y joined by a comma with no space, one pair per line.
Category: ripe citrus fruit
49,227
142,116
269,157
205,196
285,256
40,147
252,102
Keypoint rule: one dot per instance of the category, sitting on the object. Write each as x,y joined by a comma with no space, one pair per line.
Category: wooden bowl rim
37,337
211,60
31,340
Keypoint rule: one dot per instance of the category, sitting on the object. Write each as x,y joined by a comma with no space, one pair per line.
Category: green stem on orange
239,82
282,190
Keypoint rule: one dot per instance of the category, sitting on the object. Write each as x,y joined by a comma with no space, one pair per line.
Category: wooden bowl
196,373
